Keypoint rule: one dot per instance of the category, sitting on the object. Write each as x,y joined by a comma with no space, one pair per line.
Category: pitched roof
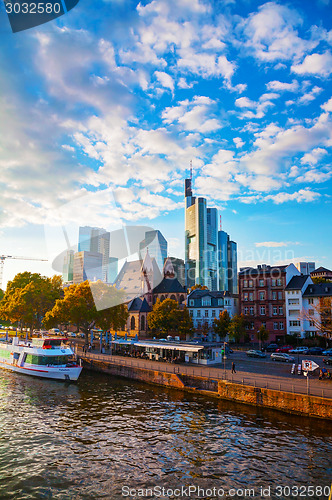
321,270
129,279
169,285
251,271
318,290
139,305
297,282
195,294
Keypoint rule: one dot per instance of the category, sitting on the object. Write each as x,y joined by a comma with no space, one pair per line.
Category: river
106,438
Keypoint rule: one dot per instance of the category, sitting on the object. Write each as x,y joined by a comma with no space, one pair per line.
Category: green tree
237,327
262,334
167,316
78,307
28,297
222,324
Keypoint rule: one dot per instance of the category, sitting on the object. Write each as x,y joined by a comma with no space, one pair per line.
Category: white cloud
314,156
238,142
315,64
272,244
165,79
327,106
303,195
196,115
245,102
310,96
283,86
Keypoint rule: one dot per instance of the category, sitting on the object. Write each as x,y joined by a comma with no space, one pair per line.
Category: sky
103,109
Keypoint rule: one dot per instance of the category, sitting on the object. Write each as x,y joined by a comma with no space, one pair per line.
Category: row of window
262,296
262,282
262,309
206,302
200,315
277,325
46,360
4,353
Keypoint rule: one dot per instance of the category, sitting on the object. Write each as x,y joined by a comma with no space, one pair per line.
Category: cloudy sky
103,109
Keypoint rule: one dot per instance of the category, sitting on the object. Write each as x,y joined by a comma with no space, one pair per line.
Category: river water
112,438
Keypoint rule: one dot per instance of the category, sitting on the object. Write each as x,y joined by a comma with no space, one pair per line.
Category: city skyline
241,89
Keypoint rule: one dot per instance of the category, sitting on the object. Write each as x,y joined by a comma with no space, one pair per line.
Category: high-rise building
210,255
68,266
305,267
155,242
97,240
87,266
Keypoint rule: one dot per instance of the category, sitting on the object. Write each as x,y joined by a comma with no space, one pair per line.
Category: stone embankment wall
300,404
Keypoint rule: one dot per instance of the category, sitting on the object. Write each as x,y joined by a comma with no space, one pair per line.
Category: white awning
175,347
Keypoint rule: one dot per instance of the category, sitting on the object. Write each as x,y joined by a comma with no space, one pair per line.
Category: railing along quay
316,388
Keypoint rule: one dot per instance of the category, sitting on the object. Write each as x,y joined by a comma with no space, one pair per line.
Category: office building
305,267
87,266
210,255
68,266
155,242
97,240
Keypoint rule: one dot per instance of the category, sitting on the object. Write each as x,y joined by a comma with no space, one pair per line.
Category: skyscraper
157,245
97,240
68,266
210,255
87,266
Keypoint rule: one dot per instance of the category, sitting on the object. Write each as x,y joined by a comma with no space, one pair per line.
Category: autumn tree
198,287
166,316
262,334
28,297
237,327
87,305
221,325
320,316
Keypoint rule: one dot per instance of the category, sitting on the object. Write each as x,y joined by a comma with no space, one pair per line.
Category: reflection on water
88,440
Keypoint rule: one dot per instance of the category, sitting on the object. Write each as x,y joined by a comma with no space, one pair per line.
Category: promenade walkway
293,383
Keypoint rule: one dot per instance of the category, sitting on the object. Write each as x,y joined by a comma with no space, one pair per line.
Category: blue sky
103,109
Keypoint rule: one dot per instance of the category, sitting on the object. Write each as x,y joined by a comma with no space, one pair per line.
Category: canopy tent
172,346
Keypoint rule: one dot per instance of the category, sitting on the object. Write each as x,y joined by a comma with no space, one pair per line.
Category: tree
87,305
262,334
320,316
28,297
237,327
166,316
198,287
2,293
222,324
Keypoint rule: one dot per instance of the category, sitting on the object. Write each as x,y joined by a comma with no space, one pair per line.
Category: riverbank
183,378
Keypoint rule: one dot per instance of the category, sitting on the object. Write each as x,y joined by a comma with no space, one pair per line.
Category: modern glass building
87,266
157,245
68,266
96,240
210,256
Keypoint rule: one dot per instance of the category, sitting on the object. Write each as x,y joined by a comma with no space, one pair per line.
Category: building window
273,282
281,326
275,326
198,313
206,301
191,302
213,313
250,283
245,297
310,301
279,295
281,310
293,301
206,313
251,310
261,295
279,282
264,324
274,295
132,323
311,323
220,302
252,325
251,296
245,283
142,322
262,310
311,312
261,282
294,323
275,310
246,310
191,313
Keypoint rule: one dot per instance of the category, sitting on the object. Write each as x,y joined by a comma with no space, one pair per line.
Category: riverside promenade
291,394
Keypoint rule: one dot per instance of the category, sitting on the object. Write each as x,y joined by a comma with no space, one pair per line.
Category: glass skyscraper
97,240
157,245
210,256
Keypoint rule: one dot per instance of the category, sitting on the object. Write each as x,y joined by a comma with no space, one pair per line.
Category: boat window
4,353
46,360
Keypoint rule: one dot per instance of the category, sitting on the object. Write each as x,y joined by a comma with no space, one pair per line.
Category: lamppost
225,360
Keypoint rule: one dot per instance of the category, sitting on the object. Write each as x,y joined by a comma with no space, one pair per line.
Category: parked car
272,347
299,350
284,348
327,361
282,356
252,353
315,350
328,352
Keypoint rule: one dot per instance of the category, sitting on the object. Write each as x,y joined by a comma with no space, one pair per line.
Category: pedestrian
233,367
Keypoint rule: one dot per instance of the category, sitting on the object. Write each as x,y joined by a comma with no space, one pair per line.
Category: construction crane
4,257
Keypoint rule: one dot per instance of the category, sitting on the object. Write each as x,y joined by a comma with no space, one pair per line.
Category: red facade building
262,298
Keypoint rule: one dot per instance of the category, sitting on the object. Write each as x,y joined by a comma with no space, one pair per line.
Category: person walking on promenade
233,367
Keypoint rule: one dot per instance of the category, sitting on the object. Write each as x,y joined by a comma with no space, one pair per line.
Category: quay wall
300,404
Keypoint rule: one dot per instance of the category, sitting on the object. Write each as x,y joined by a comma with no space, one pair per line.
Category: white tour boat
40,357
